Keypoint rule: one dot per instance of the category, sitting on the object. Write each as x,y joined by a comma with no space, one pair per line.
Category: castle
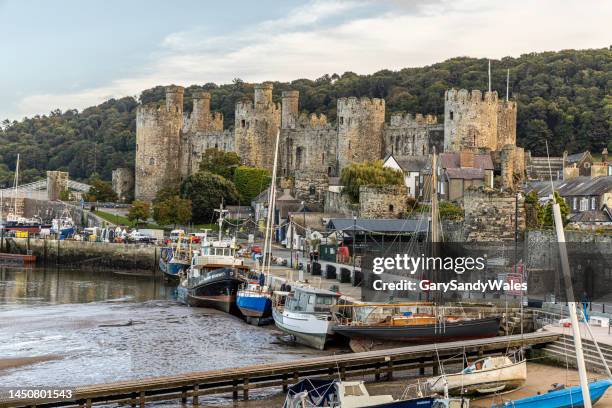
170,144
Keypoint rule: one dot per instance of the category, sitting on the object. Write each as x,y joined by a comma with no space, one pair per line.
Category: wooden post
235,390
390,372
285,386
196,398
245,389
342,373
88,403
133,400
142,399
184,396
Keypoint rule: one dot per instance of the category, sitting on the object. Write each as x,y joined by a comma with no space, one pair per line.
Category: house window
575,204
584,204
152,161
593,204
312,190
451,115
242,123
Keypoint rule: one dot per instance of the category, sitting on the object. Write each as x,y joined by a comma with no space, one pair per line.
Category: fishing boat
175,258
570,397
215,274
255,300
318,392
484,376
255,303
63,226
306,315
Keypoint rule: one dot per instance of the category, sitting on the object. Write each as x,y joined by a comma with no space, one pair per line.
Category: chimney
466,158
604,155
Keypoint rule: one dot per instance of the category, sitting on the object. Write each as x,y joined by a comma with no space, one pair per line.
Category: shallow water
95,327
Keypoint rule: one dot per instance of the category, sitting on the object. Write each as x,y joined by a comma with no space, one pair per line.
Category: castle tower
158,139
201,118
256,124
290,109
506,124
470,120
360,130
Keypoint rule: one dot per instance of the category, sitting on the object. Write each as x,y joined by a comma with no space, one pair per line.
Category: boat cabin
311,300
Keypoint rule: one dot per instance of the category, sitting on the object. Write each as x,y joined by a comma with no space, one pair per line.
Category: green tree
172,210
368,174
548,211
206,191
219,162
100,191
139,211
250,181
450,211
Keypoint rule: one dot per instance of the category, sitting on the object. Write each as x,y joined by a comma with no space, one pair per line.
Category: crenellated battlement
313,120
474,96
408,119
354,103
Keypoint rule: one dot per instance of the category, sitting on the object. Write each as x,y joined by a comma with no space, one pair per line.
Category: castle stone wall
360,130
57,182
489,215
158,139
408,135
382,202
123,183
255,128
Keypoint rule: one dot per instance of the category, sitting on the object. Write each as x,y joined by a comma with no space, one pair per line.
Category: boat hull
254,305
217,289
481,382
307,330
170,269
426,333
565,398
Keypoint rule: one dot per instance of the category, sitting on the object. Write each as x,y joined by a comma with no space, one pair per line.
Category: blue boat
254,303
169,265
564,398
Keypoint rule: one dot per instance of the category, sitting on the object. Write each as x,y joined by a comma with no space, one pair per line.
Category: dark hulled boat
216,287
406,331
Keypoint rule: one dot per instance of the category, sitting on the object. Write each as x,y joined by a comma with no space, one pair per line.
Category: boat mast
558,221
271,209
221,212
434,198
15,184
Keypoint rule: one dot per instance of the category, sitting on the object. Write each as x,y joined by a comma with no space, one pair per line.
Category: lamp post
304,225
354,238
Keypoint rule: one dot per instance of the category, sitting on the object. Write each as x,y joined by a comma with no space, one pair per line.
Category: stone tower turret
256,124
158,139
360,130
506,124
290,109
201,119
470,120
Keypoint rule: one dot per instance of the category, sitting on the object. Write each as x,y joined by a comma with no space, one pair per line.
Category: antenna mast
489,75
508,85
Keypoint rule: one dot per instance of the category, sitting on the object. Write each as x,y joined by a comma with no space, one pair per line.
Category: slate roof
591,216
580,186
414,163
576,157
465,173
451,161
378,225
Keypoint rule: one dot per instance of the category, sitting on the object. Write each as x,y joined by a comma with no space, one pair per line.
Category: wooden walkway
240,380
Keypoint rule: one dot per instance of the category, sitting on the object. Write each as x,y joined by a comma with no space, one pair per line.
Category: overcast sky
73,54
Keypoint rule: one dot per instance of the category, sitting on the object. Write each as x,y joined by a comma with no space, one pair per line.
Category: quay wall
87,255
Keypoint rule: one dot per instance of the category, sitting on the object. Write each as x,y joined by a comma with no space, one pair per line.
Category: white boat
486,375
306,315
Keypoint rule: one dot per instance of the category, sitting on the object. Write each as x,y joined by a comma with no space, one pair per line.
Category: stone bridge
49,189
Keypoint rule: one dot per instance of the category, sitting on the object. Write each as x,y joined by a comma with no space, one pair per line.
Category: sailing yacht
254,299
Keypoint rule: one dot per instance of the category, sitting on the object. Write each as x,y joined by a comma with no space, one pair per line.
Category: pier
382,364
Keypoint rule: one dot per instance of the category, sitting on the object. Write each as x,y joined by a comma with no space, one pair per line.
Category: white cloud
320,38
